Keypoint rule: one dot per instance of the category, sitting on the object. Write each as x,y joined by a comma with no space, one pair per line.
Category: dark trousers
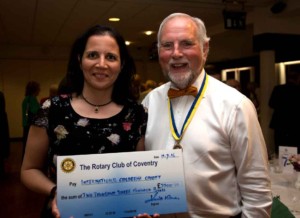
286,138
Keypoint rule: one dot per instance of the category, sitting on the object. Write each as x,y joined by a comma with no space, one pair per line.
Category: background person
234,84
285,119
53,91
224,153
213,71
30,106
149,86
136,86
98,117
4,136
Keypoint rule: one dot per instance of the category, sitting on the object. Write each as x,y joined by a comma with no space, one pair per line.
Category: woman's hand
55,211
145,215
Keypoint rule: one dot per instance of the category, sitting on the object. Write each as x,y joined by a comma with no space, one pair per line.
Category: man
286,115
225,156
234,84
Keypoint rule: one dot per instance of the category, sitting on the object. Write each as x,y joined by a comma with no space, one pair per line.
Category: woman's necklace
96,110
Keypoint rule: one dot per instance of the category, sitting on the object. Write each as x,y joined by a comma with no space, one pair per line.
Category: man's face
180,54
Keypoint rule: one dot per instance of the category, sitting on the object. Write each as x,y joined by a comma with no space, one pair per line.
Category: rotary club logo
68,165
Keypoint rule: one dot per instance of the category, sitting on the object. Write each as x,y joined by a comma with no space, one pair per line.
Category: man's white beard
181,81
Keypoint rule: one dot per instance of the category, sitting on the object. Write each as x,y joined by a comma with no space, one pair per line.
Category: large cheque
121,184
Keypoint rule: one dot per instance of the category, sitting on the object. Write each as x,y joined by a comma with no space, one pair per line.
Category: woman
30,107
99,116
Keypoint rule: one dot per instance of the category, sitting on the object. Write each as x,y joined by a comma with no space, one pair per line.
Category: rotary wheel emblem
68,165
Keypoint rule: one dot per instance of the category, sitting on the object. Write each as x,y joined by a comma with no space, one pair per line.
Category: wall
19,65
14,75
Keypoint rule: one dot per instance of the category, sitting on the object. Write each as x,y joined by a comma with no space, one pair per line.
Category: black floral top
71,134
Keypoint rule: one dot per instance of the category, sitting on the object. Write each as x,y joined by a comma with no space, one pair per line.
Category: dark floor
16,201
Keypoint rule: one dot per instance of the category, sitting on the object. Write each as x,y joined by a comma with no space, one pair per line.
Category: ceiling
55,23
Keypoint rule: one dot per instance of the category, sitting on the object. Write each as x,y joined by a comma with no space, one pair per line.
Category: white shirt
224,152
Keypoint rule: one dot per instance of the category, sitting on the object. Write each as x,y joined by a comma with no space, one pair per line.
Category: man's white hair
201,29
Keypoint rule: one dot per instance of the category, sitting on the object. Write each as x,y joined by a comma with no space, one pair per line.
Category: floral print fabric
71,134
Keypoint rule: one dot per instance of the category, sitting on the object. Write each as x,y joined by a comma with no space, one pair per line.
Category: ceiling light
127,42
148,33
114,19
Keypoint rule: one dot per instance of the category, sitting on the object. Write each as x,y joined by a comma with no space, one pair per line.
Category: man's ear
205,49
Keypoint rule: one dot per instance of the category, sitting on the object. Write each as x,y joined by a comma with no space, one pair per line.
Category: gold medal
177,135
177,146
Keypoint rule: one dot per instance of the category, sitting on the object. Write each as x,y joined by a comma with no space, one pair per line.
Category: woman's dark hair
64,87
32,88
122,89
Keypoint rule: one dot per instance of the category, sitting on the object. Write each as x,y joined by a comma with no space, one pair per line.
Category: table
283,185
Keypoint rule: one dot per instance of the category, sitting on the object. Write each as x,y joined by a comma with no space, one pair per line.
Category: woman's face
101,62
